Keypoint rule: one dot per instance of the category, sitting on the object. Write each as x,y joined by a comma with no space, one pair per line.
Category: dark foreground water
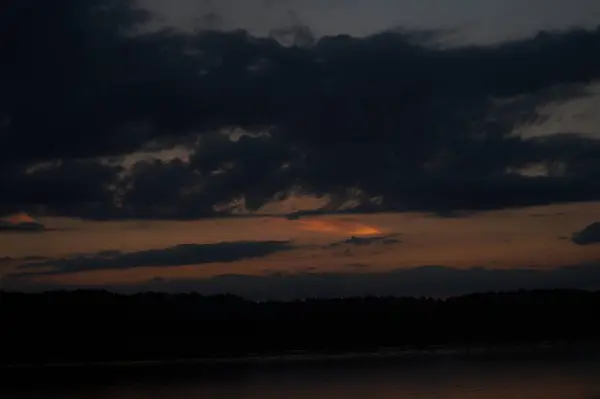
551,377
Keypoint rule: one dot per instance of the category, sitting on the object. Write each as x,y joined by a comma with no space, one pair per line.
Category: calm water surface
442,379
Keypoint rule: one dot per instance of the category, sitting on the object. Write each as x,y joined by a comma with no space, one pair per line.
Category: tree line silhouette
81,326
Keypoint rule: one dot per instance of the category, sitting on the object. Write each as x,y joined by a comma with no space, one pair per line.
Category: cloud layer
385,120
180,255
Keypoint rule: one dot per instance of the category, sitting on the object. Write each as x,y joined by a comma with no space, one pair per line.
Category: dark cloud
368,240
385,116
587,236
434,281
479,193
65,187
185,254
22,227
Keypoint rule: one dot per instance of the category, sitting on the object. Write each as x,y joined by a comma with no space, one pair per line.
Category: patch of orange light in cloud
19,218
337,227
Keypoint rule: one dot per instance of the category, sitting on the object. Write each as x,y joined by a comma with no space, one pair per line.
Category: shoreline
303,357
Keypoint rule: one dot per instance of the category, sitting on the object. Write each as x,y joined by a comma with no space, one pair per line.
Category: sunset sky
285,149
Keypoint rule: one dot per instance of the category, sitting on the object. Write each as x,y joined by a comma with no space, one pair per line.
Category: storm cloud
385,120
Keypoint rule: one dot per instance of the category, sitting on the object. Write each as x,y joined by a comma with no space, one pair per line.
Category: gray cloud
421,281
185,254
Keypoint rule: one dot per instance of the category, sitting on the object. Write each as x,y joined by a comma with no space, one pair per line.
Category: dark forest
88,326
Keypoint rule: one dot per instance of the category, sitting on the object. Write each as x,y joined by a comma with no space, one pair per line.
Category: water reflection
439,379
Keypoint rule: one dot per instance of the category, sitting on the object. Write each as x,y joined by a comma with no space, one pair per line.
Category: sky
479,21
290,149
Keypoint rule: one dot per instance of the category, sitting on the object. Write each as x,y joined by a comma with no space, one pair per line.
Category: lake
548,377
